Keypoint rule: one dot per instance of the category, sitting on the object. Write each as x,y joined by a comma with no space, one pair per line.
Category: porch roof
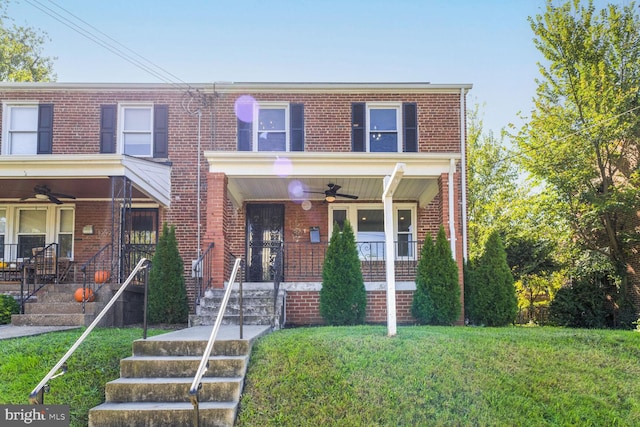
263,176
87,177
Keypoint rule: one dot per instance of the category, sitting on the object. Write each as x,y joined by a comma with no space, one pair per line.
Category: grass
356,376
25,361
455,376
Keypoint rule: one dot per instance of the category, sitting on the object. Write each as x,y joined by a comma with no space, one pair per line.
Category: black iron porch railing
202,272
303,261
38,270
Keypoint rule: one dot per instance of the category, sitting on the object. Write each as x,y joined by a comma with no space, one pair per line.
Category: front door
265,232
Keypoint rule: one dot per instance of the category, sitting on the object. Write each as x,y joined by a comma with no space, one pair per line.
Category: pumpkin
87,295
101,276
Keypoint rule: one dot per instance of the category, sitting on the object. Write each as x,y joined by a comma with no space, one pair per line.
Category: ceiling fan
331,194
42,192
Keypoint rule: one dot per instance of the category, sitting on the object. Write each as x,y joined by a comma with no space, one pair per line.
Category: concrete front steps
154,384
54,305
257,306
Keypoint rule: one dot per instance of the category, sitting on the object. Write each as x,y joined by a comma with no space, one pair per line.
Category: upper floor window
135,129
275,126
384,127
28,128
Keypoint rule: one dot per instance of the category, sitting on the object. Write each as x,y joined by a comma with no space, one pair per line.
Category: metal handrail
36,397
204,362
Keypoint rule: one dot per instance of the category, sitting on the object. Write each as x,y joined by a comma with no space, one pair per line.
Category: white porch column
390,184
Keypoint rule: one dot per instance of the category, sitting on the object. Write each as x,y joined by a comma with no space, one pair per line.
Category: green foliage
21,58
582,138
590,300
490,297
167,291
8,306
436,300
343,297
442,376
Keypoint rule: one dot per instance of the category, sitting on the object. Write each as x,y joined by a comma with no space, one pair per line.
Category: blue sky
487,43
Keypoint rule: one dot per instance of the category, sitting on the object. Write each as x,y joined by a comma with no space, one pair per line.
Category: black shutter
358,126
161,131
45,128
410,124
107,128
245,132
297,127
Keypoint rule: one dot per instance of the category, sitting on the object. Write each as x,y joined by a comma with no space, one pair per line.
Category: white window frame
52,223
386,106
352,216
256,125
7,108
121,131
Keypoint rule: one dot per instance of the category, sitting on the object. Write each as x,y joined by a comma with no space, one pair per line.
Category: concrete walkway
10,331
196,333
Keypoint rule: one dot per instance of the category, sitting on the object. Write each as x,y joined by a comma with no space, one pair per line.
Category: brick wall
303,308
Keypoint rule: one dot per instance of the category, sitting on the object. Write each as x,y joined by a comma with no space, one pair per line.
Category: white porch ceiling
84,176
267,176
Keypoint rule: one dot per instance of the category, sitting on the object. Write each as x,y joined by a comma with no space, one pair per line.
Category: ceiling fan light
41,196
330,198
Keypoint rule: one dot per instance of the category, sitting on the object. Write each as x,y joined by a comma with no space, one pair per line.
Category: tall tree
582,139
491,182
21,58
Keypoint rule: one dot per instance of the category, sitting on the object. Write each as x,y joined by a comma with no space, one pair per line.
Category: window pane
271,119
405,246
383,119
137,119
272,141
24,119
383,142
64,241
3,221
339,217
137,144
404,221
32,222
27,243
66,221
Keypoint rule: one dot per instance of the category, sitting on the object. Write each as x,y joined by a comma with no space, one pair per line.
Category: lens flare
244,108
282,167
296,190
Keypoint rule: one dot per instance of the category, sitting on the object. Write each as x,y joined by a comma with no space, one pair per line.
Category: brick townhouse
261,171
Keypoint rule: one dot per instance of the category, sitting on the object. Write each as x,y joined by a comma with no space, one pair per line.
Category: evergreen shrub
8,306
343,297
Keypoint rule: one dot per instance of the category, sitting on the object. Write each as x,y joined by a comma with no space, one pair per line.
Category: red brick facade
327,129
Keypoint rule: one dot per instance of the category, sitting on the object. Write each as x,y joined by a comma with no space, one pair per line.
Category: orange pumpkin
87,295
101,276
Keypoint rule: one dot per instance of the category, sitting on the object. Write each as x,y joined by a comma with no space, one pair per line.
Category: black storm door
265,230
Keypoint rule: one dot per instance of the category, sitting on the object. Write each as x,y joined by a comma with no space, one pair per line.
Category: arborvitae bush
490,295
167,291
343,298
8,306
436,300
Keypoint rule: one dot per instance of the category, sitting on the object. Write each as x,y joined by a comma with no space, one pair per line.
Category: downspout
452,211
199,225
463,168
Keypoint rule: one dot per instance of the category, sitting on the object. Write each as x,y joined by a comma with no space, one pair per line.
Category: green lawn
449,376
357,376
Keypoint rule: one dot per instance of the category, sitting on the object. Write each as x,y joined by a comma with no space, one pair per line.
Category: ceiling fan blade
54,199
334,187
314,192
64,196
348,196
